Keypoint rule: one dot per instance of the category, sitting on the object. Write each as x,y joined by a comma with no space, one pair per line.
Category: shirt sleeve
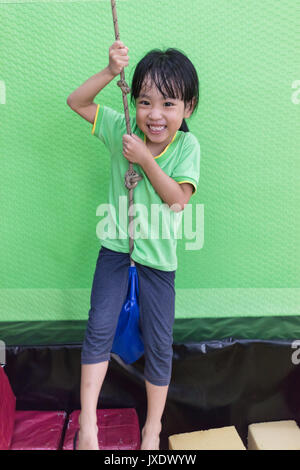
109,126
187,169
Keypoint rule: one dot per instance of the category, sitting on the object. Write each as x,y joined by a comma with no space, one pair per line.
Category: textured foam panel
7,411
118,429
38,430
54,174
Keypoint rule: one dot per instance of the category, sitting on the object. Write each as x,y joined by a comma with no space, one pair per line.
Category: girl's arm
82,99
172,193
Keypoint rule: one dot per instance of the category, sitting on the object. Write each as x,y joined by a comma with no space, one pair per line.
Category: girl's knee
158,363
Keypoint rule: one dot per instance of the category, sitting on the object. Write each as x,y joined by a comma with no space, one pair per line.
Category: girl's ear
189,108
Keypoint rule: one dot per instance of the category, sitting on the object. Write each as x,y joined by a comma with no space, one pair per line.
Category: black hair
173,74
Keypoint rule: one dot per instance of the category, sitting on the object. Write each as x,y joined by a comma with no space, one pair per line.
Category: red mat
38,430
7,411
118,429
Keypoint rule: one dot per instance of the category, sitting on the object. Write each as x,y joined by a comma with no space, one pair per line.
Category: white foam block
226,438
275,435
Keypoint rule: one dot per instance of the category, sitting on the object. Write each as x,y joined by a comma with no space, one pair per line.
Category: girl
165,91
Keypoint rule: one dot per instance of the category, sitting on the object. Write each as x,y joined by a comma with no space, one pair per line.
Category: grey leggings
157,309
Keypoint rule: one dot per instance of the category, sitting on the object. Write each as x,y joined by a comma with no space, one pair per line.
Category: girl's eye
168,104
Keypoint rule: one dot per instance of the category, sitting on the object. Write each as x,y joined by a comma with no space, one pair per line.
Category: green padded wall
54,173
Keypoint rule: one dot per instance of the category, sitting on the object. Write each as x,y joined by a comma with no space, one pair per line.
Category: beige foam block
212,439
275,435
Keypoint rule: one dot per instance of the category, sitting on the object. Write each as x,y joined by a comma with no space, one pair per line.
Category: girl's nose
154,114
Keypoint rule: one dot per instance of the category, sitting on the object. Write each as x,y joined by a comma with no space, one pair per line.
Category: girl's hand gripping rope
118,57
135,150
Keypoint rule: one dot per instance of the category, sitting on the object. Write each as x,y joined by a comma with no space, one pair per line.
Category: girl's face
159,118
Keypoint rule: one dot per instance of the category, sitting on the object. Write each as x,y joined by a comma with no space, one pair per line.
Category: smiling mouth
156,129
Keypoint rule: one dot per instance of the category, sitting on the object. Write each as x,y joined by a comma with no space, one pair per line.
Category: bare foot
87,436
87,439
150,438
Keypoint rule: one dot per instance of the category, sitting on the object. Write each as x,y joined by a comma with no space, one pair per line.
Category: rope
131,177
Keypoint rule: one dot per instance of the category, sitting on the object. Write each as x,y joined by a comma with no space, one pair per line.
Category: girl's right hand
118,58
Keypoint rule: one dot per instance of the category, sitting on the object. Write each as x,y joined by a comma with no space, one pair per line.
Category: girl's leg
156,400
157,310
109,290
92,377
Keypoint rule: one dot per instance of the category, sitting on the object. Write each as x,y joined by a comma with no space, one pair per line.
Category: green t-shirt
155,225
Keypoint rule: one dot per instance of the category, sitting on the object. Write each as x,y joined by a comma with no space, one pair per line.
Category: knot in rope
132,178
124,86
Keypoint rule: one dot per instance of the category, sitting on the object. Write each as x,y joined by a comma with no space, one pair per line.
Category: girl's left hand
134,149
